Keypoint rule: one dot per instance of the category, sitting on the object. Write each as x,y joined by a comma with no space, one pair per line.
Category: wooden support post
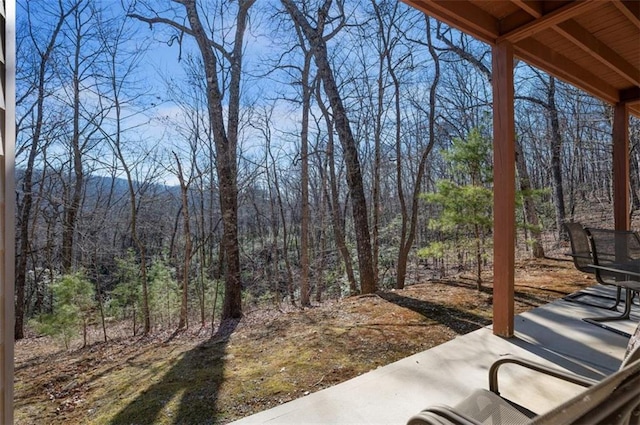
7,207
621,167
504,219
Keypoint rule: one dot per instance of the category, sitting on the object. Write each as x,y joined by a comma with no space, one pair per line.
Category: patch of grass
270,358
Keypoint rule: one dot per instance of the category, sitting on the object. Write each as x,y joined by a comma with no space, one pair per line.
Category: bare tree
318,42
307,85
410,220
556,152
37,108
307,91
194,125
225,134
118,77
554,135
184,196
332,196
531,216
85,121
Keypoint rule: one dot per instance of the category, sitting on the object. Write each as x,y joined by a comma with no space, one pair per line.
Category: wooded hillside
291,152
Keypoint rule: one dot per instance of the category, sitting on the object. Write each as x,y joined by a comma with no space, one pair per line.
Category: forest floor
268,358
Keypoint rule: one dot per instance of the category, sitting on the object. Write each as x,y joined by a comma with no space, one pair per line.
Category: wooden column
7,205
621,167
504,218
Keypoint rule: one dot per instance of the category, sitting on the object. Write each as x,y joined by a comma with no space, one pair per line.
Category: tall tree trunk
140,245
184,195
226,144
202,291
321,240
409,223
24,213
531,217
333,201
354,175
285,232
134,203
71,210
476,231
307,90
377,159
274,254
225,137
556,157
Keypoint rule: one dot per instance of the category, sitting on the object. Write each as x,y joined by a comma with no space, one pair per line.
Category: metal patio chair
582,259
610,247
614,401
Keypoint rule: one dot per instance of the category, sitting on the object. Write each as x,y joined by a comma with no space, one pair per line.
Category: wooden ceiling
592,44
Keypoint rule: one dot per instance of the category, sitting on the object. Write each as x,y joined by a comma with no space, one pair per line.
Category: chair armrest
556,373
434,415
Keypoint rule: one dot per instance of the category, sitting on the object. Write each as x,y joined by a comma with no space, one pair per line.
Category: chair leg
624,316
618,298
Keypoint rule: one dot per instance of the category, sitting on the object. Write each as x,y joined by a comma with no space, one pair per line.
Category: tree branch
179,27
534,100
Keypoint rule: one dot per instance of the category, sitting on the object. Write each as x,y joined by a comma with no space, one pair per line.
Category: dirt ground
268,358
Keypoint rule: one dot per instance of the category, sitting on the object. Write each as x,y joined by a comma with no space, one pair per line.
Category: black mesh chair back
613,246
580,247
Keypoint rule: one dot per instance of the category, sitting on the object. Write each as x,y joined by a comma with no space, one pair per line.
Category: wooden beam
576,34
630,9
630,96
621,167
537,54
517,19
462,15
529,11
597,49
533,8
559,15
7,212
504,217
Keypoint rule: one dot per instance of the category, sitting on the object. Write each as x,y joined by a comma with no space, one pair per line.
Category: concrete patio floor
553,334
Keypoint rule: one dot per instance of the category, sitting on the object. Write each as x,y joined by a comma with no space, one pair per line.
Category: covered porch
553,334
593,45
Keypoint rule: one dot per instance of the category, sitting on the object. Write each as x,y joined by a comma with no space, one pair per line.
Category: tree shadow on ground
521,296
195,378
458,320
532,300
